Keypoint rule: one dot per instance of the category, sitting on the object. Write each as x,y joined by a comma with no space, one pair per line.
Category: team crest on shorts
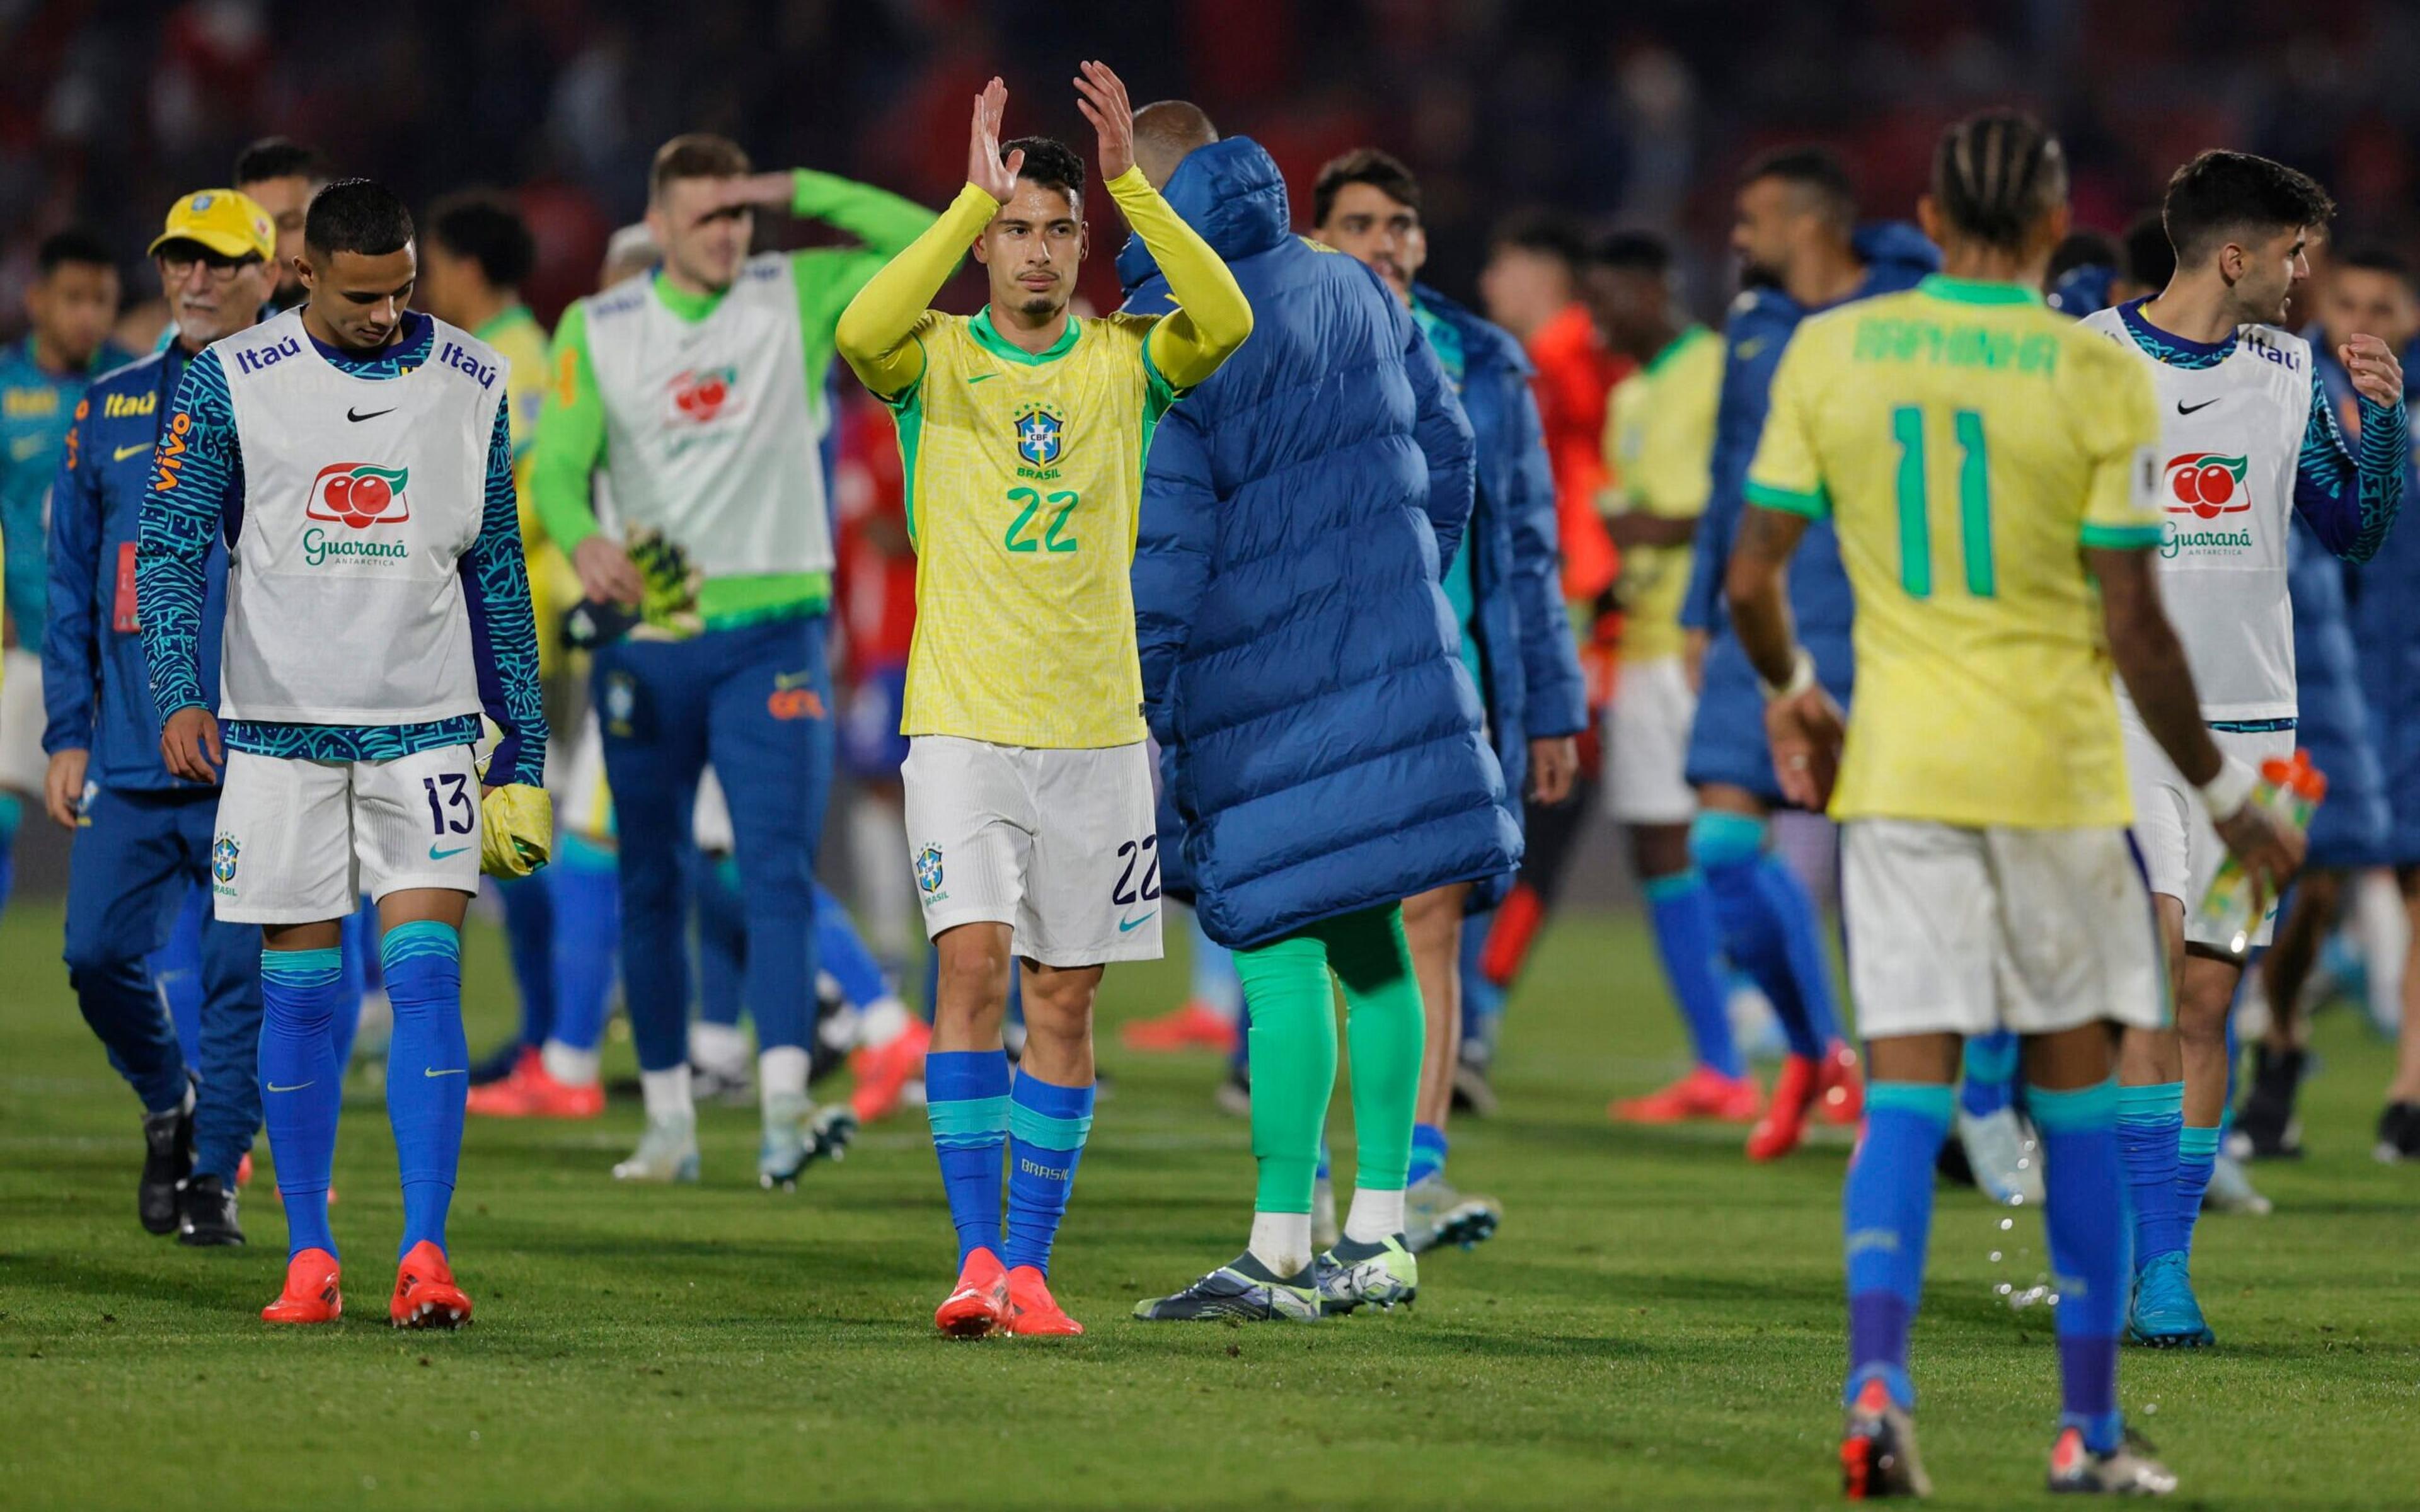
224,854
620,703
929,872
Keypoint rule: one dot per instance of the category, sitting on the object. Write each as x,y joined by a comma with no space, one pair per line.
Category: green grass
1658,1324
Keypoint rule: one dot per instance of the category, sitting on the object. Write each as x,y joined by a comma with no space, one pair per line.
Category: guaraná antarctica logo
356,495
700,394
2204,485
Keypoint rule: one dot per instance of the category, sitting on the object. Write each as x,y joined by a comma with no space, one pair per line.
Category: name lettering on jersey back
1894,339
261,359
453,355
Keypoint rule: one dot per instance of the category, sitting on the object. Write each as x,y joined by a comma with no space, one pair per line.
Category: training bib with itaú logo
2230,442
360,498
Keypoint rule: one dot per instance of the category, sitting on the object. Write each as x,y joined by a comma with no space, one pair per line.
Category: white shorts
23,766
1062,846
2180,846
584,805
301,841
1647,744
1959,930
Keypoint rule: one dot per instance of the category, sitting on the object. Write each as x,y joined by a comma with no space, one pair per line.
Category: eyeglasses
180,266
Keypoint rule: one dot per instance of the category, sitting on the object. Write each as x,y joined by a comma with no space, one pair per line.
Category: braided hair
1996,174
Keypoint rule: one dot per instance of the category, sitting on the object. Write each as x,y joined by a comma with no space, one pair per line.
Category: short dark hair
1633,252
277,157
1382,171
2374,257
76,245
1049,162
2220,191
2081,249
483,225
359,215
1543,232
695,155
1996,174
1816,169
2150,259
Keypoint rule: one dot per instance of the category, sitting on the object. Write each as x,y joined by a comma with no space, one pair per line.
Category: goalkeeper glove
516,830
669,607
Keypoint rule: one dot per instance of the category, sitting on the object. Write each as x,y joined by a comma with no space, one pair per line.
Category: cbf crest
1041,434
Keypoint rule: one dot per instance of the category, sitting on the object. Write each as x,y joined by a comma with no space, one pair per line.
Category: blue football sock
529,939
1886,1217
587,938
722,943
1989,1082
1427,1154
2085,1215
1483,1001
966,1098
842,952
1768,926
2196,1153
177,967
12,813
1687,941
1046,1128
2150,1121
1322,1171
427,1072
299,1088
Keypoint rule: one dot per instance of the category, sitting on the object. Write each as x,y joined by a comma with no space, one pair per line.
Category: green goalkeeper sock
1386,1029
1293,1064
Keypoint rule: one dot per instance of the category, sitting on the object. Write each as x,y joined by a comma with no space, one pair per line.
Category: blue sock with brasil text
428,1072
2084,1216
300,1087
966,1098
1047,1129
1886,1218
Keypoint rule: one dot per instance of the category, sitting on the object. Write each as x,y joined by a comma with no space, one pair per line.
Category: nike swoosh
372,416
459,1070
1125,925
2184,408
296,1087
784,682
125,452
436,854
983,378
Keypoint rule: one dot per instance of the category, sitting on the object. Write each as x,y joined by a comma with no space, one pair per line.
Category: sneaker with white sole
667,1151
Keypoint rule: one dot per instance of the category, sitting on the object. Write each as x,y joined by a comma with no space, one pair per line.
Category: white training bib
710,430
345,604
2230,445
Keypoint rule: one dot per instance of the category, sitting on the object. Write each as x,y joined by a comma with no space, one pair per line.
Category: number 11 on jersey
1915,502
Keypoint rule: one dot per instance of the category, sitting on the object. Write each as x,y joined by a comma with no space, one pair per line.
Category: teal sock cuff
418,940
2077,1111
302,969
960,1122
1034,1127
2198,1143
2151,1105
1660,889
1991,1059
573,849
1925,1099
12,813
1717,840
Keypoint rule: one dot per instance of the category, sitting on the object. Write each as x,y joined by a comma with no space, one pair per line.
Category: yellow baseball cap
225,222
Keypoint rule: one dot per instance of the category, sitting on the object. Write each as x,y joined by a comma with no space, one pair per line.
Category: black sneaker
206,1214
2399,1132
2265,1126
167,1160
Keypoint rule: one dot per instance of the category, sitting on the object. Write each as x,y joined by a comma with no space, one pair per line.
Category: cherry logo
360,495
700,394
2208,485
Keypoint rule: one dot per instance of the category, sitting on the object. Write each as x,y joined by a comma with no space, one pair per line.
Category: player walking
1984,460
1029,794
2247,434
358,460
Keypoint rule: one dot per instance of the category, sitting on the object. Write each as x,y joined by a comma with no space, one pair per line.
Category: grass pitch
1658,1324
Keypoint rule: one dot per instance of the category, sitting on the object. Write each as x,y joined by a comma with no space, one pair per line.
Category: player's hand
985,169
1102,96
1806,732
2270,848
63,785
606,572
2376,373
190,744
1554,767
516,830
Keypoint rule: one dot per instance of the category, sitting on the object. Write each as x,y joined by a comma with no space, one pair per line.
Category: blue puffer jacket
1533,686
2385,620
1320,737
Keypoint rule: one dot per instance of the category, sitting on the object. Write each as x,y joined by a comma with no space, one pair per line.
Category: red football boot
979,1304
424,1293
1194,1025
884,1071
1784,1124
530,1092
1704,1093
1033,1312
1842,1099
311,1295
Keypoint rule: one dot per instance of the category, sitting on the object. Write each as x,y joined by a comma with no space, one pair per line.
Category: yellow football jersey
1024,475
1659,440
1968,444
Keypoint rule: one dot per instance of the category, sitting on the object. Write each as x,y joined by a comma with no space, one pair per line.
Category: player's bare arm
2151,661
1805,725
2376,373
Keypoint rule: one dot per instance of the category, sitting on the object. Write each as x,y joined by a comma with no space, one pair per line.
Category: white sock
720,1047
572,1068
781,1071
1282,1241
666,1093
882,1021
1375,1215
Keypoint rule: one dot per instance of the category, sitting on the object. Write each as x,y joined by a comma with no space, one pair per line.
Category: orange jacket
1574,376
